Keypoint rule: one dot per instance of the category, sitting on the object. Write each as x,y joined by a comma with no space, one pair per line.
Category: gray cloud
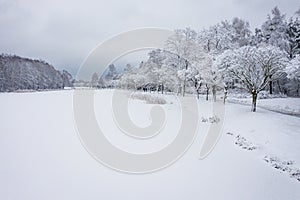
64,32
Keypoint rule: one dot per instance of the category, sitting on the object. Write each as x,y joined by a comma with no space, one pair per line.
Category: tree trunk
279,87
183,89
184,81
178,90
254,100
271,86
214,92
162,88
198,88
225,95
207,92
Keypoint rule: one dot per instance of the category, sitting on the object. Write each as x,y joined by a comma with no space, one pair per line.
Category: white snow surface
290,106
42,156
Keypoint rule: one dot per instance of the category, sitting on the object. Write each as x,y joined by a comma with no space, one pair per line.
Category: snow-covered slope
42,157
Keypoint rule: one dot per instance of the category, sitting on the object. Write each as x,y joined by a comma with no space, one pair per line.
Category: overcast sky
63,32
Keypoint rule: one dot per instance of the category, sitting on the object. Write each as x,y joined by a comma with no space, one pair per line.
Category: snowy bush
213,119
148,98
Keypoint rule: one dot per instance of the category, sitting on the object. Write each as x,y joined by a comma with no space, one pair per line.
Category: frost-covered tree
273,60
127,80
257,38
225,35
213,79
275,30
157,75
209,75
183,45
157,56
109,77
152,74
148,71
293,74
101,82
252,66
132,78
94,80
242,32
111,73
293,69
217,38
67,79
294,36
165,77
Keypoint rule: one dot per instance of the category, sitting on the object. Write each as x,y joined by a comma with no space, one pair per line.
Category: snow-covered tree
209,75
111,73
213,79
157,56
225,35
257,38
127,80
132,78
293,69
101,82
94,80
254,67
275,30
293,74
294,36
128,68
242,32
216,38
183,44
147,70
157,73
67,79
109,77
273,60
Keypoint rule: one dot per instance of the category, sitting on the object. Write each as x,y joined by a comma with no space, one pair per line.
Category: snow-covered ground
290,106
257,156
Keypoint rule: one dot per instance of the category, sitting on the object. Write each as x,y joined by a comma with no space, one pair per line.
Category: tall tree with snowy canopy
209,75
275,30
183,44
213,79
294,35
273,60
252,66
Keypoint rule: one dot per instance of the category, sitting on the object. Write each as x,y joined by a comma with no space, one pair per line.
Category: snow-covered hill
17,73
42,157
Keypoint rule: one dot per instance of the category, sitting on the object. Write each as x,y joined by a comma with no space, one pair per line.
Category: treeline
223,56
17,73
